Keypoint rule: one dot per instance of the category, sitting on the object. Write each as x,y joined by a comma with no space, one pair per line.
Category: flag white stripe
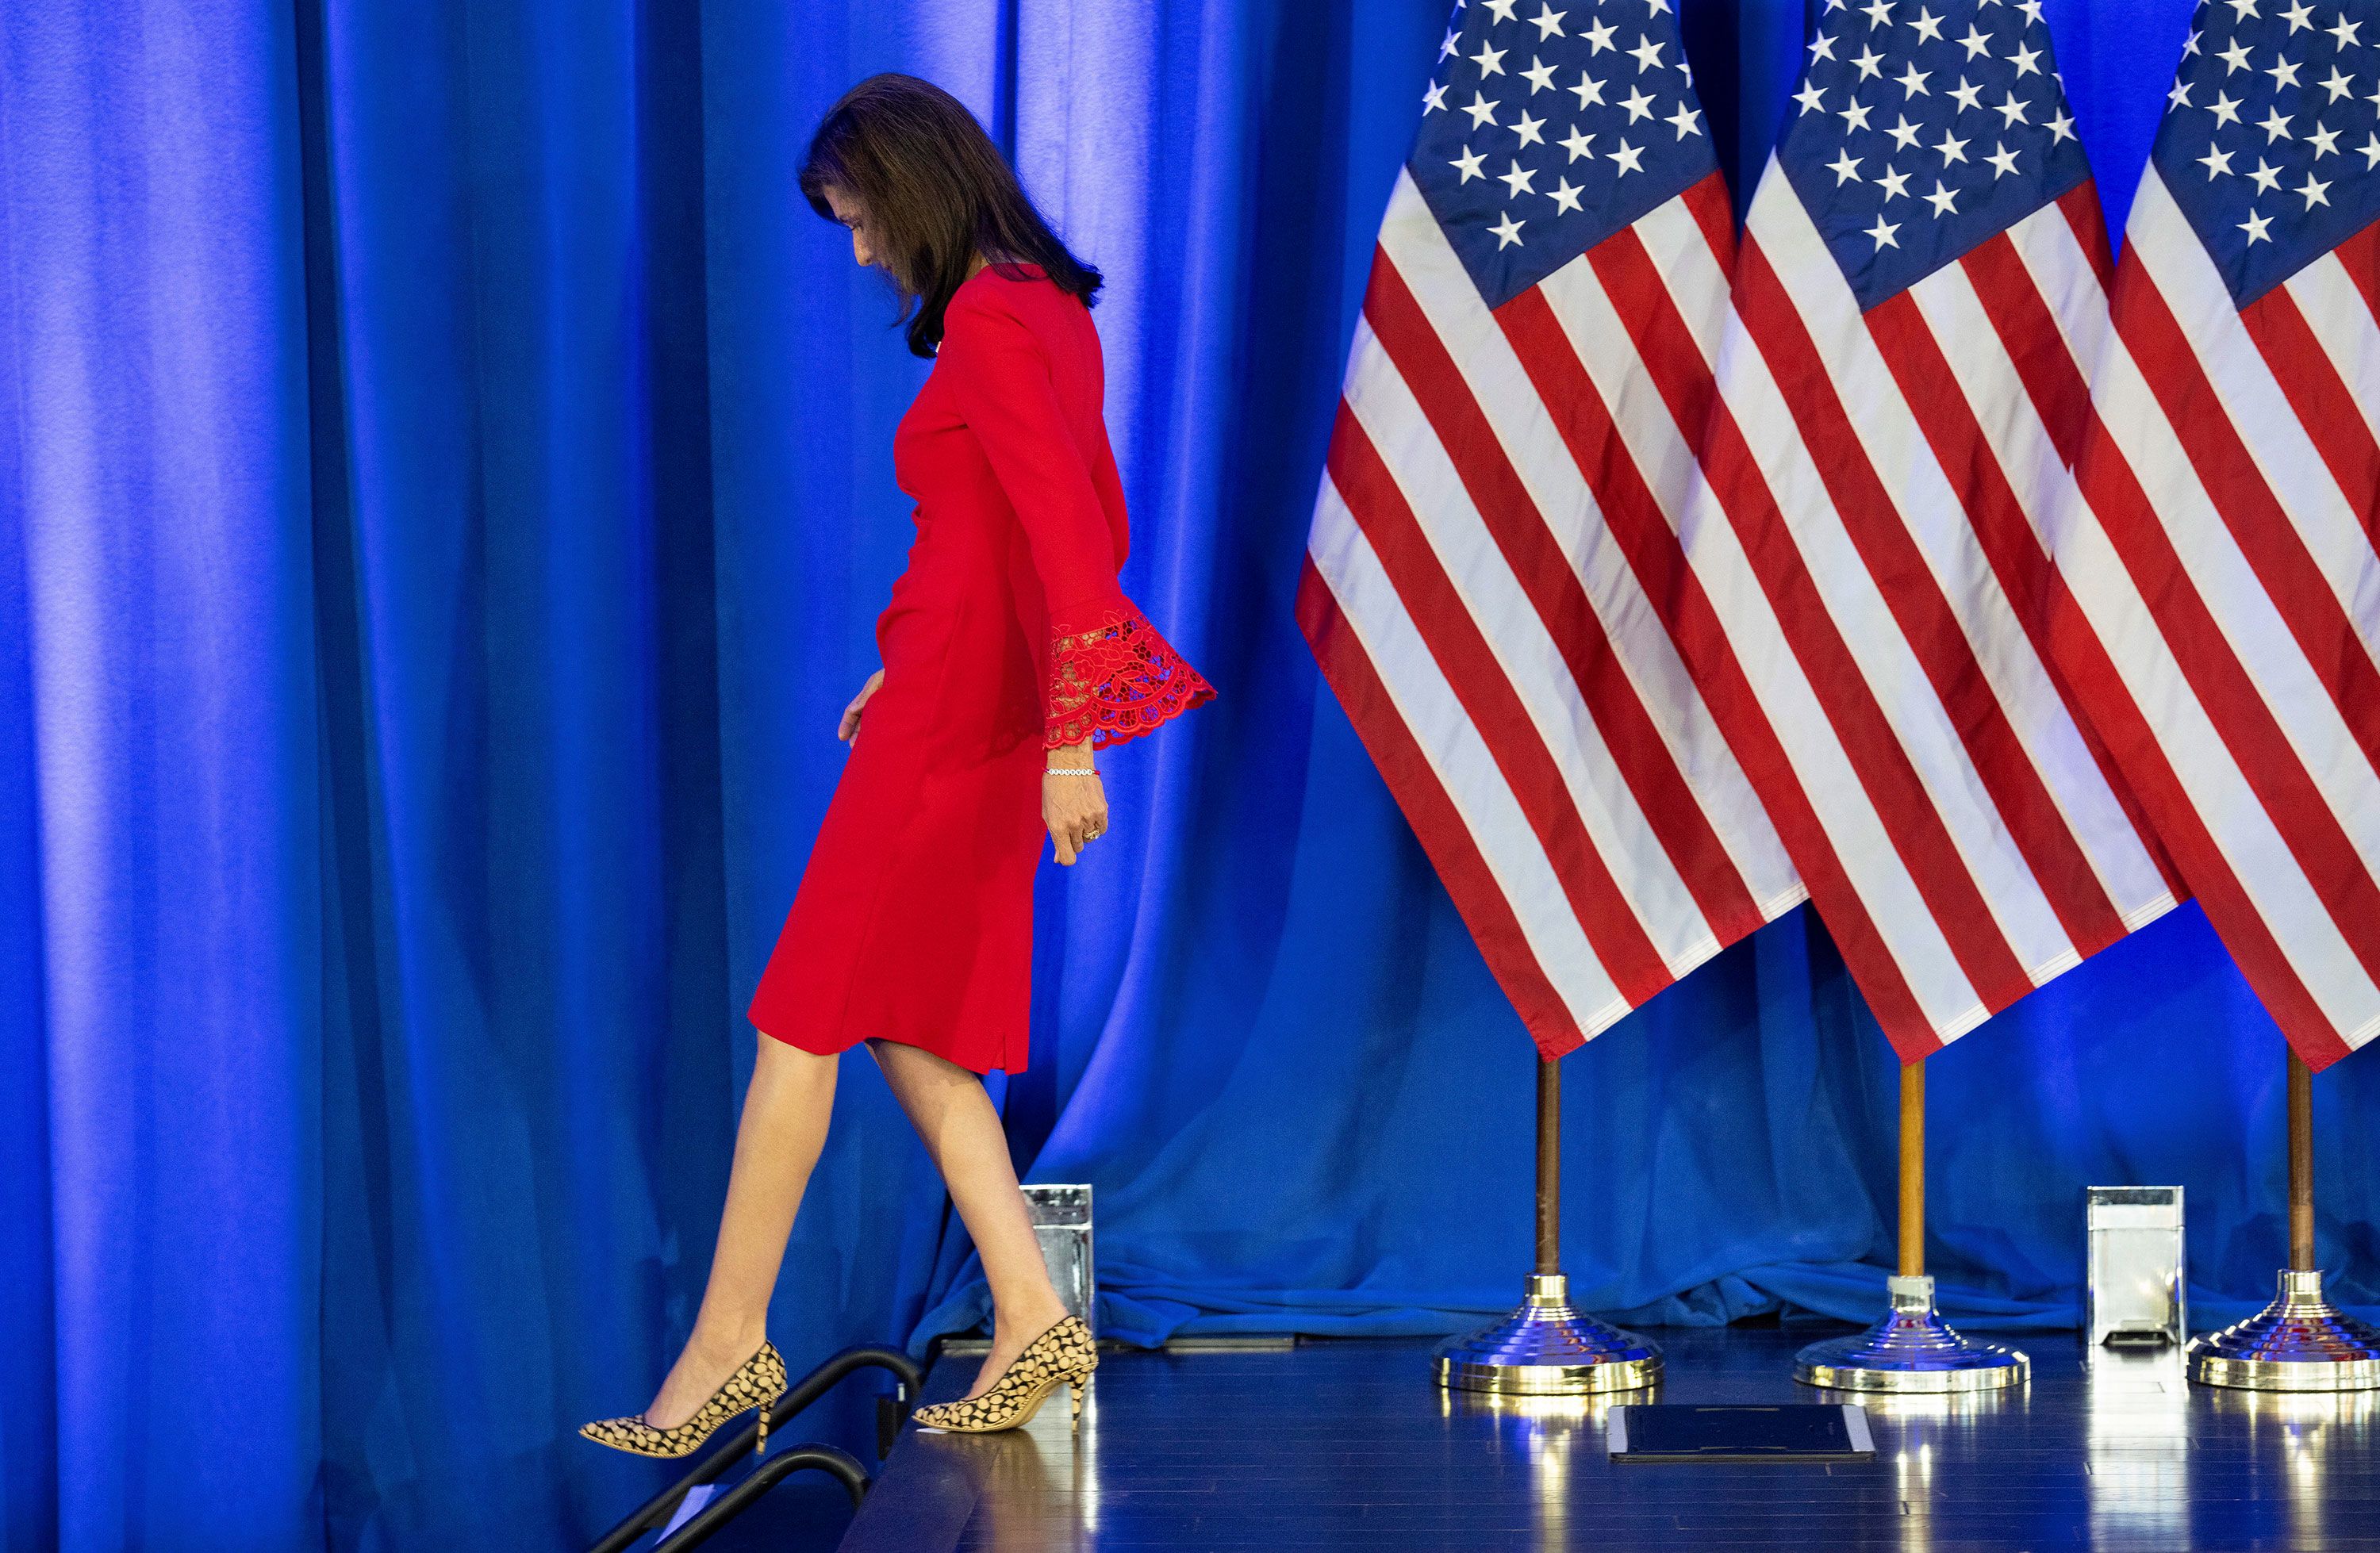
1499,384
1530,660
2211,779
1933,511
2202,762
1888,661
2341,321
1900,914
2062,272
1444,733
1690,272
2284,453
2135,425
2012,425
2215,786
2250,623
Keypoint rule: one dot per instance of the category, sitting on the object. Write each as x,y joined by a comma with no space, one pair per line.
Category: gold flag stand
1911,1350
2300,1342
1547,1348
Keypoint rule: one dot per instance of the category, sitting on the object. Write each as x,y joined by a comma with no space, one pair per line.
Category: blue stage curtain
161,1117
446,484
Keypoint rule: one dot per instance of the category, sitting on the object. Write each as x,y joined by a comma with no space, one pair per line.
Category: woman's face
846,211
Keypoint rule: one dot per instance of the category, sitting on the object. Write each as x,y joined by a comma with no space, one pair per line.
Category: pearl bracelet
1070,770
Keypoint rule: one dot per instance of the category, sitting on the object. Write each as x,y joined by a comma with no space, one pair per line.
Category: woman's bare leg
777,1144
952,1113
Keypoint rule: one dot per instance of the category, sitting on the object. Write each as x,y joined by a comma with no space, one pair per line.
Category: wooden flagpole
1547,1347
1913,1168
2301,1164
1911,1349
1548,1166
2300,1342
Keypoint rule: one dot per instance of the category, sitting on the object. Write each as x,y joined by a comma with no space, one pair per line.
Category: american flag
1883,486
2232,477
1494,587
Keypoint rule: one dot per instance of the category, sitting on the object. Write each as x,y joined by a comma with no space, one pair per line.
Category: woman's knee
893,1054
779,1055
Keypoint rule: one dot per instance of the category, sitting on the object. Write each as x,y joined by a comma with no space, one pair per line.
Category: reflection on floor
1349,1444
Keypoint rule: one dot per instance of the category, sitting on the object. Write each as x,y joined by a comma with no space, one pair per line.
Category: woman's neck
976,263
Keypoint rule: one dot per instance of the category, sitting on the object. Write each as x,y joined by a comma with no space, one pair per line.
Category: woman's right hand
849,729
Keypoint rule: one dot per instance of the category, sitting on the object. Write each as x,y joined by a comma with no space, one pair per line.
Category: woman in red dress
1010,656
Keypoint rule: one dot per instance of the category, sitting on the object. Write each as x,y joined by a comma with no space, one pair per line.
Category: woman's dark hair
934,191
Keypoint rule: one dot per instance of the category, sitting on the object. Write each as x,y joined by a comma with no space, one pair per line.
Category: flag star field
1548,129
1924,130
2272,135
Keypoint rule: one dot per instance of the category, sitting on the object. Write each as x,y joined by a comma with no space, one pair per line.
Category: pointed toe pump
757,1382
1063,1355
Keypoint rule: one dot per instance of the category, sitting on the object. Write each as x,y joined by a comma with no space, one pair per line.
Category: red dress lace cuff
1116,682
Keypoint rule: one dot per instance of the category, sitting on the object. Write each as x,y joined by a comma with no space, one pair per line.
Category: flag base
1911,1350
2299,1343
1545,1348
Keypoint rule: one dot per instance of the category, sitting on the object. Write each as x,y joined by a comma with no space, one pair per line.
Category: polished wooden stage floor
1347,1444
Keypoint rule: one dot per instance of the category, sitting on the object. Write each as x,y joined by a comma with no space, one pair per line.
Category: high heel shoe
1063,1355
759,1380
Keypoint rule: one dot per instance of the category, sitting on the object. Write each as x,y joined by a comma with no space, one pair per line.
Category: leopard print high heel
758,1381
1063,1355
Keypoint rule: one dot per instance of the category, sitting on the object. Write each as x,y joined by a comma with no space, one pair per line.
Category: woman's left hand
1073,807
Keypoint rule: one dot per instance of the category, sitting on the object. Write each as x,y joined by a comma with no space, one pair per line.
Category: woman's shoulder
1020,301
1020,289
1010,274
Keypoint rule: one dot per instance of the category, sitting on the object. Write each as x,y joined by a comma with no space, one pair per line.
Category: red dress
1006,635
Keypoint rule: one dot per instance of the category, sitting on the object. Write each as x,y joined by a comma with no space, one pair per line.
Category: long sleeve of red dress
1111,674
1006,635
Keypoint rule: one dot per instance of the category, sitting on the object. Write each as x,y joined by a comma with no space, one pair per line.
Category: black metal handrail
767,1475
657,1511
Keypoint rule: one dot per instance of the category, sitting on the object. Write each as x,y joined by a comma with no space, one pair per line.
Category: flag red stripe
1886,774
2079,206
1435,821
1670,808
1444,622
2263,531
2360,256
2058,391
1939,407
2109,704
2324,404
2257,745
1891,783
1635,520
1708,203
2028,332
